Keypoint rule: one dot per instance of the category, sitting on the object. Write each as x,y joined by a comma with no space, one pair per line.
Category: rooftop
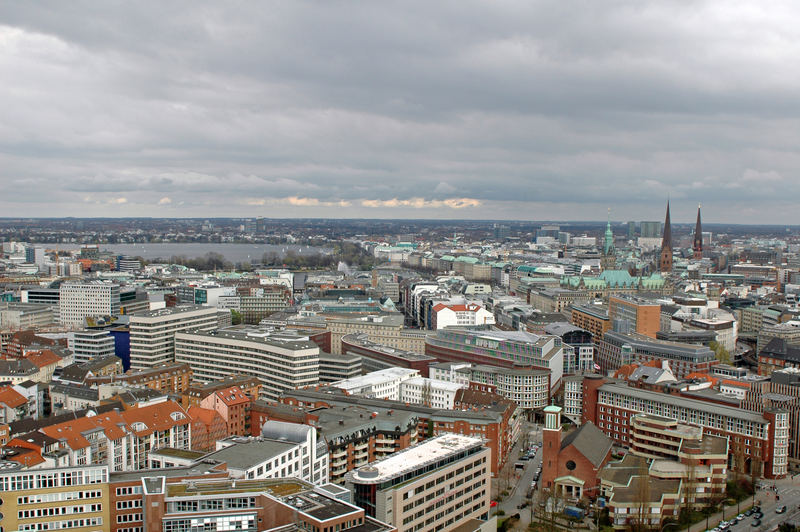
249,452
427,452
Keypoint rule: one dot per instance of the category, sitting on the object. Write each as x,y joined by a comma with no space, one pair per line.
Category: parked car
756,523
758,515
749,512
780,510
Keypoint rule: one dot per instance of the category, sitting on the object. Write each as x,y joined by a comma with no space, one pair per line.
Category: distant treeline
347,252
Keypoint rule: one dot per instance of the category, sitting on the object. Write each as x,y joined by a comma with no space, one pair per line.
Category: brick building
759,440
570,465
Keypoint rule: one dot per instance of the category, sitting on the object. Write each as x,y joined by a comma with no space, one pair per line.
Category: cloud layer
509,109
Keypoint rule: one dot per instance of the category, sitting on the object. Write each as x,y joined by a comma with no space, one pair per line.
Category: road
789,492
521,482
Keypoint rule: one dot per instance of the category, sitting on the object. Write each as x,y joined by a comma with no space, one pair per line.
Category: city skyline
451,111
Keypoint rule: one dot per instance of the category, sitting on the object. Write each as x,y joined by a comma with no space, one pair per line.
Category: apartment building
79,300
438,484
119,440
152,333
478,414
171,377
280,361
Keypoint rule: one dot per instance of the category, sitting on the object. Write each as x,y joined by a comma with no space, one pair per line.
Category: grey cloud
530,108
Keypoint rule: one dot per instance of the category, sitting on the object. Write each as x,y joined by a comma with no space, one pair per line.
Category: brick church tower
551,445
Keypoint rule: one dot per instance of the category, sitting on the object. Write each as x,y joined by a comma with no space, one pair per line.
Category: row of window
60,525
58,497
59,510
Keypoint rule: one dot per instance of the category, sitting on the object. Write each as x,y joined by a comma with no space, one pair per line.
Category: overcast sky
512,110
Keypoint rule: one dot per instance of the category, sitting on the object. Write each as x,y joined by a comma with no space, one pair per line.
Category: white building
18,316
281,361
458,372
88,344
153,332
79,300
283,450
279,277
429,392
381,384
445,315
401,384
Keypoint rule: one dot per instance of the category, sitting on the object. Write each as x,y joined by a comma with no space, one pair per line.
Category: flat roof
697,404
249,452
376,377
414,457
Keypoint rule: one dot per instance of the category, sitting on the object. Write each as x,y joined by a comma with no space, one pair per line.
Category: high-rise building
153,332
665,262
631,230
650,229
80,300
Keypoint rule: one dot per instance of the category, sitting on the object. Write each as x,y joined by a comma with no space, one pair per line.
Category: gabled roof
12,398
232,396
590,442
145,420
74,432
205,416
43,358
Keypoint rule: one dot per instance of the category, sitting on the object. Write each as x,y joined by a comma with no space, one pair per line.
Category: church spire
665,263
698,238
608,260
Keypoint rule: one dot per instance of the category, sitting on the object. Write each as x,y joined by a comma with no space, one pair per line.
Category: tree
236,317
722,354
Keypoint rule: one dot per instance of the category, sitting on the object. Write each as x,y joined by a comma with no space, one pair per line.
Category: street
519,486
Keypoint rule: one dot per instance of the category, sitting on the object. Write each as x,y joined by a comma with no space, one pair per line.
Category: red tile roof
203,415
74,431
11,397
43,358
232,396
158,417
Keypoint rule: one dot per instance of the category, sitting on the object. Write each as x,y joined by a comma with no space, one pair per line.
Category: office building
74,498
152,333
505,349
80,300
280,361
438,484
24,316
630,314
619,349
90,343
650,229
